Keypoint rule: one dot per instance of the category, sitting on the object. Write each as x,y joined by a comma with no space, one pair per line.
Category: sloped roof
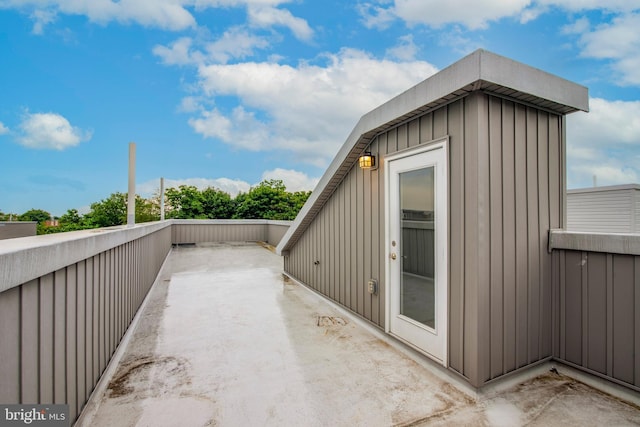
481,70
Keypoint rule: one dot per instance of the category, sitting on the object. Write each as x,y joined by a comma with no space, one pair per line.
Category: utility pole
161,199
131,205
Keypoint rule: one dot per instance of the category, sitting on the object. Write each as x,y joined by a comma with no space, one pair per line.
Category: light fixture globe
367,161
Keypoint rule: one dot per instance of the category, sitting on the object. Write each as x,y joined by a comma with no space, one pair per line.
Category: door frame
442,241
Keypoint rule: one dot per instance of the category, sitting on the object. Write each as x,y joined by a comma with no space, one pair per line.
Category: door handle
393,255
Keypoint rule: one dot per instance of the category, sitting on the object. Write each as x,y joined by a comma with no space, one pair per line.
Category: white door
417,249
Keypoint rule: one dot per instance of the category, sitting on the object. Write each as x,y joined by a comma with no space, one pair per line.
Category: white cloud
178,53
292,179
604,142
166,14
618,41
241,129
375,16
476,14
50,131
171,15
42,18
235,43
3,129
581,5
580,26
405,50
268,16
309,109
472,14
190,104
231,186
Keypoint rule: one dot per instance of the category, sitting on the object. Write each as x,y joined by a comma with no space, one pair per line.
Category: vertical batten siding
59,331
10,348
457,172
599,310
505,191
351,225
497,303
204,231
525,178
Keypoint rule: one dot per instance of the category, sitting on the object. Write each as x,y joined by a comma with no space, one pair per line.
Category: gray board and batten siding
504,125
66,301
596,281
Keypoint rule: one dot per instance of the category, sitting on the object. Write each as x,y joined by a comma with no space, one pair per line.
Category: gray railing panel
60,328
598,280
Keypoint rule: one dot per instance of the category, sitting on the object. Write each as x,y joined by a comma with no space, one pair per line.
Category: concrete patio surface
224,340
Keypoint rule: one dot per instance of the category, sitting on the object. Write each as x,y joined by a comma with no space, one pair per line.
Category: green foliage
71,217
187,202
108,212
8,216
217,203
37,215
146,210
270,200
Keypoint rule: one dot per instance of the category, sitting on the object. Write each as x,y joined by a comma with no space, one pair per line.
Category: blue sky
227,93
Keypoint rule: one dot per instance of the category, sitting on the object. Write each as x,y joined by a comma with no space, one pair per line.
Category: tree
71,217
216,204
270,200
108,212
298,199
146,210
37,215
187,202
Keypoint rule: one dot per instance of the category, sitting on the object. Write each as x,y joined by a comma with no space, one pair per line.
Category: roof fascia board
523,78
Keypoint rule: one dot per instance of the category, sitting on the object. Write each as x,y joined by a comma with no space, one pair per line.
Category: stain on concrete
169,373
328,321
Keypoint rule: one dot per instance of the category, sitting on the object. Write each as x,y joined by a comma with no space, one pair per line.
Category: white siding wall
636,211
613,209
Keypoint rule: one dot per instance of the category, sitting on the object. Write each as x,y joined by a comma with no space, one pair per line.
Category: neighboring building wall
596,284
506,191
58,331
14,229
611,209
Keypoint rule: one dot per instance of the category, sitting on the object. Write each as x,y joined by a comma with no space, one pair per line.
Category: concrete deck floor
223,340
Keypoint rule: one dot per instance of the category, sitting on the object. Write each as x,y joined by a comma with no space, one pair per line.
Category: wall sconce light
367,161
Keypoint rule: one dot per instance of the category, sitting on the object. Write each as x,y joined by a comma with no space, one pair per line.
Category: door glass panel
417,217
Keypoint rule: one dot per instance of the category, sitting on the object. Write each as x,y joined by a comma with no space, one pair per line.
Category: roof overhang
481,70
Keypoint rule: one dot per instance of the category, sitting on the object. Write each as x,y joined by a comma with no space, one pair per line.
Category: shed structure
14,229
608,209
488,135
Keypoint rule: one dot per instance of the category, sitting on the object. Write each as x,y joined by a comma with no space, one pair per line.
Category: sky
227,93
